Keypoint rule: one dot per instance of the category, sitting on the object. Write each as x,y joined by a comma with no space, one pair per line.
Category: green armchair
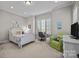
56,42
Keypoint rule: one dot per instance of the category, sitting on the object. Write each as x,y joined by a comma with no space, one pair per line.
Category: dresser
70,47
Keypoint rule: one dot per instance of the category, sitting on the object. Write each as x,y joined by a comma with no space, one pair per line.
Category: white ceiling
36,8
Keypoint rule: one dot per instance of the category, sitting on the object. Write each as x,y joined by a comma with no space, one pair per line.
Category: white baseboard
4,41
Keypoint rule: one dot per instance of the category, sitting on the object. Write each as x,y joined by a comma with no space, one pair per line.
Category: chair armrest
61,44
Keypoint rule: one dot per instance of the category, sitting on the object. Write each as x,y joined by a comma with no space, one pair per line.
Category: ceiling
36,8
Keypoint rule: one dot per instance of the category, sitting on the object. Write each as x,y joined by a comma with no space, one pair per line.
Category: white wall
6,21
31,21
63,15
77,4
75,12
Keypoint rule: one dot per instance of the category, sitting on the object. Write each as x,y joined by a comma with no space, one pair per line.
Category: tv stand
73,37
70,47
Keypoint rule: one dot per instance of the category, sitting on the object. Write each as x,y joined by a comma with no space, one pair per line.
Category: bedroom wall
76,5
62,15
6,21
75,12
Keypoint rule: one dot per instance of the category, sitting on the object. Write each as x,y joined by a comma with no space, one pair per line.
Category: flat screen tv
75,30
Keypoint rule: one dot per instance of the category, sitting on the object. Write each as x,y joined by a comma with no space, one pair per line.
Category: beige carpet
36,49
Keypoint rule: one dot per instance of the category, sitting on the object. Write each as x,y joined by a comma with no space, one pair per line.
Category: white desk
70,47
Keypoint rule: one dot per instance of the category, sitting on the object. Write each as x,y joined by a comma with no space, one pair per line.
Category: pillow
16,31
56,39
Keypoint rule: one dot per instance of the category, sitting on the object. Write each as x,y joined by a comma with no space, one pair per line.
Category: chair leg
20,46
41,39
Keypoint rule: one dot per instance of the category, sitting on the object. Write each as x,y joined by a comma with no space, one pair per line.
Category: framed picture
59,24
29,26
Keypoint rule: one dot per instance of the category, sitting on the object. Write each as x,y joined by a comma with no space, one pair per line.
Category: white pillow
17,31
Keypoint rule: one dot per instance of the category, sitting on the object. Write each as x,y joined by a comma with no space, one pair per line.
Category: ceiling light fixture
11,7
28,2
55,1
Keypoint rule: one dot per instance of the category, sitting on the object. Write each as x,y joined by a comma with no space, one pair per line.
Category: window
48,26
44,25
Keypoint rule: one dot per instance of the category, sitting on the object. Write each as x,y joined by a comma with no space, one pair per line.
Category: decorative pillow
16,31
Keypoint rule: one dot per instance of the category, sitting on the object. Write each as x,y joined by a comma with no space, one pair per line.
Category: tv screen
74,30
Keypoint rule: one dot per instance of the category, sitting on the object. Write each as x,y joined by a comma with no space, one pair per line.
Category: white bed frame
21,39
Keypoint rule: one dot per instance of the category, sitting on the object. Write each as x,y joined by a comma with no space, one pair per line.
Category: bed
16,36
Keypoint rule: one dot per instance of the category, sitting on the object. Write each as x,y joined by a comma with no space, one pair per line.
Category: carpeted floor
36,49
